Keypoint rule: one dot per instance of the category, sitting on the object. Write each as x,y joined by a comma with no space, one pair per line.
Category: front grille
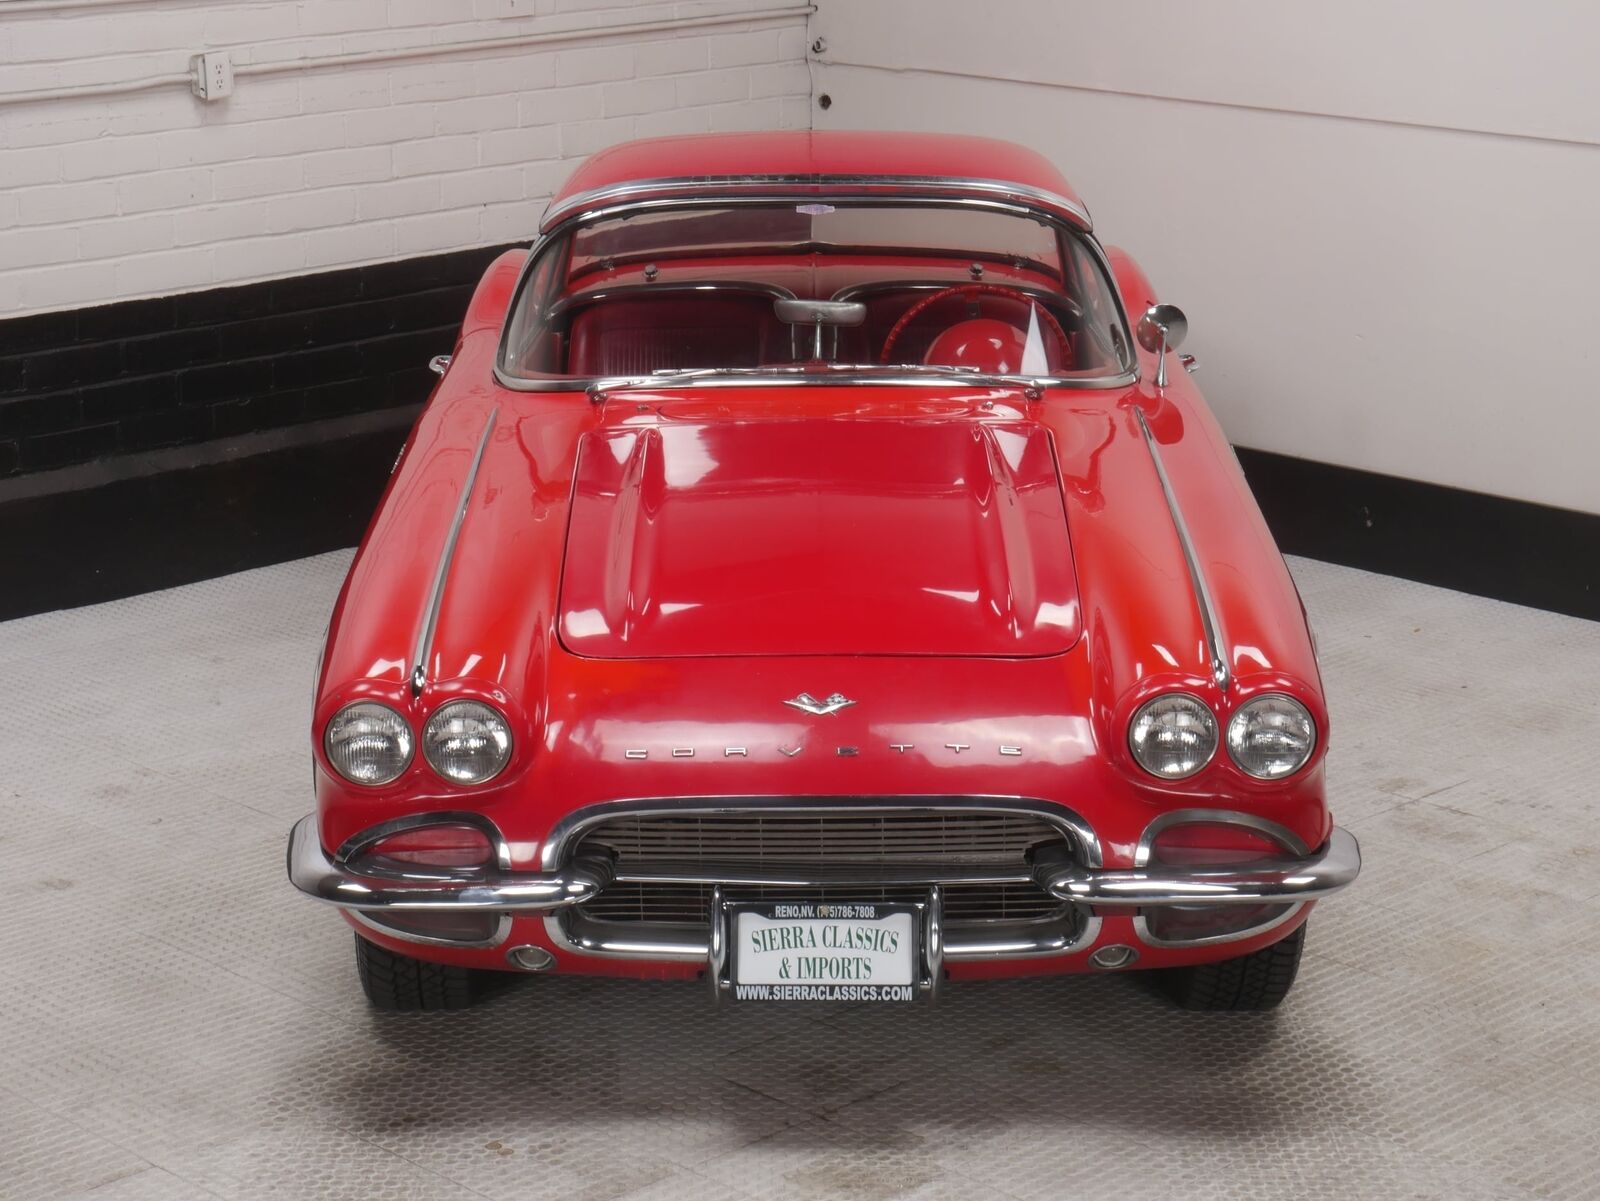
919,838
977,837
690,904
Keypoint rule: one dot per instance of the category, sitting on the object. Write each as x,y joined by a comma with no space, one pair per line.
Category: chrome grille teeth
936,840
966,838
689,904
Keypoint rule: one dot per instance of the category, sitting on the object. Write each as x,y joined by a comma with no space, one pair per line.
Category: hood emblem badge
807,703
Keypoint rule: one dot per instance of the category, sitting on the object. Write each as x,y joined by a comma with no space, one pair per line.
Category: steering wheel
972,291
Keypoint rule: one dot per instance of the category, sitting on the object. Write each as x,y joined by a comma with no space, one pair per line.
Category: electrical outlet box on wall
213,75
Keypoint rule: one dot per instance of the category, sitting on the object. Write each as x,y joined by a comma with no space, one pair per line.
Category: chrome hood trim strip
430,620
1215,649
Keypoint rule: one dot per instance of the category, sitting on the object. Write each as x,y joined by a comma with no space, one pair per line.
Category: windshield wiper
660,376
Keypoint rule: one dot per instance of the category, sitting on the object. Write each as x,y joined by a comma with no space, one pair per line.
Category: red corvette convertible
816,573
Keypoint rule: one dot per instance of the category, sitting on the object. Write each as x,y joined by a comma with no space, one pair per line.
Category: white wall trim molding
12,7
832,60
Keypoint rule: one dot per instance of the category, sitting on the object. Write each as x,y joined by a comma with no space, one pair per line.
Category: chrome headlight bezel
493,727
1191,712
384,721
1239,730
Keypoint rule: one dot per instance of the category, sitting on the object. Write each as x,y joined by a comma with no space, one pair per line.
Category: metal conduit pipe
399,53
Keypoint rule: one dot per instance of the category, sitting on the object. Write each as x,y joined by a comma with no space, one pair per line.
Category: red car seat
669,332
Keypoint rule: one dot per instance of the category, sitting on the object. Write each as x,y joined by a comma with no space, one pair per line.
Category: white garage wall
116,182
1381,219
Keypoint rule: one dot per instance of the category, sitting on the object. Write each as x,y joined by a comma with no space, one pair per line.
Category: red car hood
845,536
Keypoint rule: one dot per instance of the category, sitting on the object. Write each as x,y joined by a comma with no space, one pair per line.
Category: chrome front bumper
1334,867
557,893
318,875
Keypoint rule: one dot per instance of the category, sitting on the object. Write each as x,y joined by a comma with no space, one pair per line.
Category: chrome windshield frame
1020,203
675,188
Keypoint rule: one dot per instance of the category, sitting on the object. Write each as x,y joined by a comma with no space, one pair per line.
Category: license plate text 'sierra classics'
824,951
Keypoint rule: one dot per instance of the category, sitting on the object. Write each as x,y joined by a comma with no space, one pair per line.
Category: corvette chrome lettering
1004,750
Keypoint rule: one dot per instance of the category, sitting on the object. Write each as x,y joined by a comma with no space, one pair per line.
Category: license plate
824,951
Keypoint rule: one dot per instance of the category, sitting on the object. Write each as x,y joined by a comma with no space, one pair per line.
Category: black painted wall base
147,443
93,534
1487,545
136,376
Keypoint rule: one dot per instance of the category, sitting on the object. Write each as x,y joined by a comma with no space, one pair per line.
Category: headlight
1271,736
1173,736
368,743
466,742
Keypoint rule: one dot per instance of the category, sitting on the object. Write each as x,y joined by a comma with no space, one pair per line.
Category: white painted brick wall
142,193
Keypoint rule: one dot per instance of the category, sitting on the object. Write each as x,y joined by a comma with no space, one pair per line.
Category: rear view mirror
818,313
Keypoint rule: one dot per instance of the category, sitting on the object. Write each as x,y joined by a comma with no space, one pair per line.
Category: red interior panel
671,332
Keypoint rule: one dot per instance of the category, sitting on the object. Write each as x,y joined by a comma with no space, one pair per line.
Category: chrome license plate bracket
805,949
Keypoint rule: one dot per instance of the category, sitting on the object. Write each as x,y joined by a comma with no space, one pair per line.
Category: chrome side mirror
1162,328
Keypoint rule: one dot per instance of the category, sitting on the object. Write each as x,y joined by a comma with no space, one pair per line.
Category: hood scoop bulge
818,537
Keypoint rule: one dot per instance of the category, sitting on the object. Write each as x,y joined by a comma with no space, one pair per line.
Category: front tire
398,983
1257,981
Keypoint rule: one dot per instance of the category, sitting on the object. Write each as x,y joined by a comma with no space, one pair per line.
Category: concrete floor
177,1023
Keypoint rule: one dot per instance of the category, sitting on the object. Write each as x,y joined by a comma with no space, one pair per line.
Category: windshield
930,287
